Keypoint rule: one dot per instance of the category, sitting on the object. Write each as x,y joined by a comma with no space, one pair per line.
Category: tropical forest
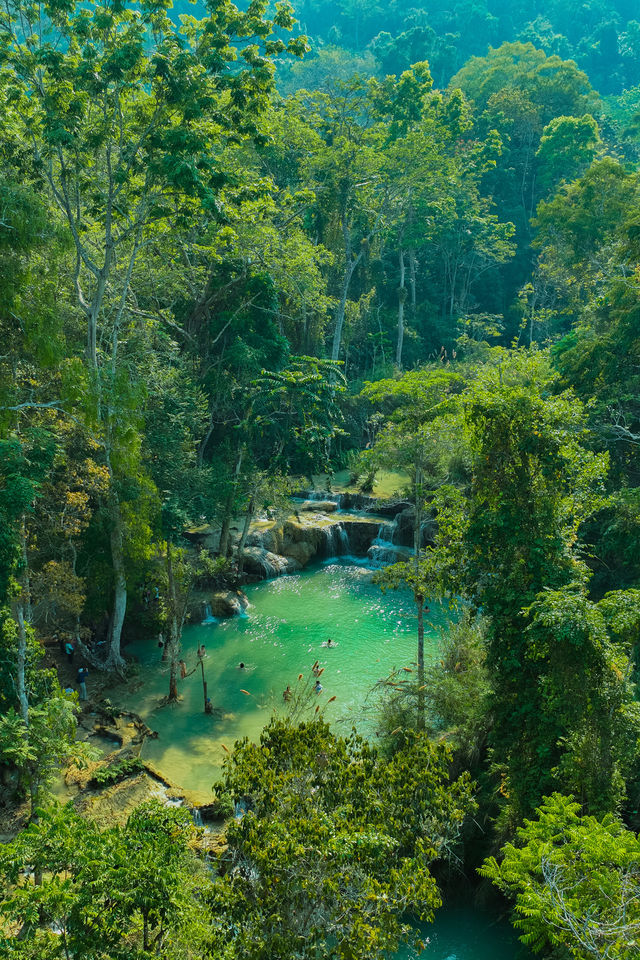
319,479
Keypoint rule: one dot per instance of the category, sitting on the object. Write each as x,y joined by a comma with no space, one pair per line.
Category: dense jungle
319,480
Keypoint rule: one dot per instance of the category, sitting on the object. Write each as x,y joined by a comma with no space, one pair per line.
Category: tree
575,882
534,483
122,134
414,439
335,846
121,893
568,146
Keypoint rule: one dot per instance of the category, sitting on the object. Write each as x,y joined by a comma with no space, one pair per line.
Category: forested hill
233,267
602,36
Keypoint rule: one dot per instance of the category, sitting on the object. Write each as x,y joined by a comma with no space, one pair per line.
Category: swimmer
183,669
318,687
241,665
201,651
315,669
329,643
286,694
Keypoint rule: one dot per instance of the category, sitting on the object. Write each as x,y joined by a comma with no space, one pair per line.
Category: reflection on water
281,636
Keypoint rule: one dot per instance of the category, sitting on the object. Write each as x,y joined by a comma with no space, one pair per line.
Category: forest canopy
244,251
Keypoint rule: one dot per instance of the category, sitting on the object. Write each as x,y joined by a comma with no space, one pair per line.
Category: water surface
465,933
283,634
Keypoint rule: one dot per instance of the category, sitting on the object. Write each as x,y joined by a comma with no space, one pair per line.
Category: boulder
302,551
262,562
318,506
361,535
227,603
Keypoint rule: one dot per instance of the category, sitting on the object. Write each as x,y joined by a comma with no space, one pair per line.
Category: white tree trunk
401,299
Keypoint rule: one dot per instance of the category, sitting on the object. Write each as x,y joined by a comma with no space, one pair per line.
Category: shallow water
281,636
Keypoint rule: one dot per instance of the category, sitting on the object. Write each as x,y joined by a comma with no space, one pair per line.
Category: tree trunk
350,264
174,633
401,299
248,517
341,310
21,662
421,700
412,281
419,598
223,546
115,660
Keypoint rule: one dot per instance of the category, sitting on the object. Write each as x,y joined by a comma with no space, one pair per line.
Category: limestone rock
266,564
318,506
228,603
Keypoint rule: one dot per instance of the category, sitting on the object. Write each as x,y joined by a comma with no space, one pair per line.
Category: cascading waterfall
383,550
336,540
319,495
272,564
208,615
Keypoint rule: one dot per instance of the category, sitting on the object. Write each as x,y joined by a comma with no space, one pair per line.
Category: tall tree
125,113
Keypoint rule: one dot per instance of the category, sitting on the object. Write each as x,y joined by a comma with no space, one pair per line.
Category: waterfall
208,616
384,550
315,495
386,532
197,817
336,540
273,565
344,540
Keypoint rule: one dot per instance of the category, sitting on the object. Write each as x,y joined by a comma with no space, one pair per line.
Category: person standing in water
286,694
81,679
318,687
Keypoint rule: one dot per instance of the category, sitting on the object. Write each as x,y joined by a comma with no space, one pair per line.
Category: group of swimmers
317,671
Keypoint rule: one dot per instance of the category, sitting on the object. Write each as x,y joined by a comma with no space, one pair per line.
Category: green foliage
117,771
336,845
456,691
114,894
575,882
37,750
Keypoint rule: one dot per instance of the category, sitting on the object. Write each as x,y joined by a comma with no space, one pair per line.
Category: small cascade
384,550
336,540
344,540
387,532
207,614
196,816
319,495
273,565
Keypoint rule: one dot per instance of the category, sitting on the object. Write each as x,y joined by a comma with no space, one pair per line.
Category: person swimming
318,687
329,643
286,694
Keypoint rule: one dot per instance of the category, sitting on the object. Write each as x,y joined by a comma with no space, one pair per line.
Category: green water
282,635
464,933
